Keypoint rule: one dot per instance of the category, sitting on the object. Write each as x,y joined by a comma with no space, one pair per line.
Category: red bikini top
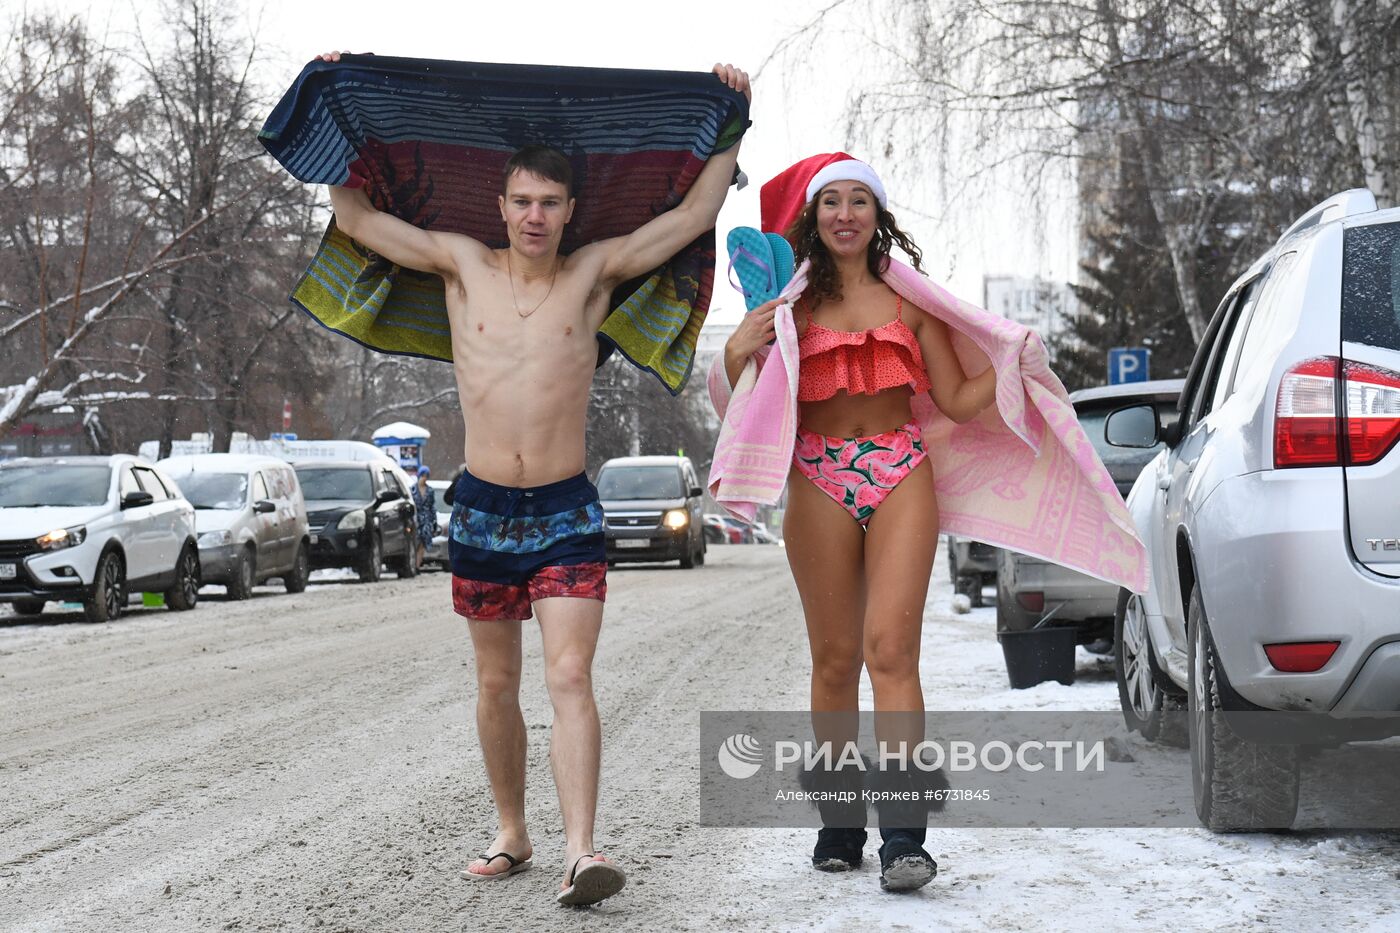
863,362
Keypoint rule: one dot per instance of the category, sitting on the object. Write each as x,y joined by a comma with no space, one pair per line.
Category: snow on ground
1115,879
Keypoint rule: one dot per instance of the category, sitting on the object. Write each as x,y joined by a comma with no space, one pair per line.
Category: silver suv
1272,519
250,517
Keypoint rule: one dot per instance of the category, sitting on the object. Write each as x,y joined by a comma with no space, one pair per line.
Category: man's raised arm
397,240
658,240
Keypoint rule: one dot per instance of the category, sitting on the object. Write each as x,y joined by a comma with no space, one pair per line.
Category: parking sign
1127,364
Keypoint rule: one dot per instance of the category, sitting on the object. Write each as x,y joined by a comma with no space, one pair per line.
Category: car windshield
54,484
335,484
1092,421
640,482
215,490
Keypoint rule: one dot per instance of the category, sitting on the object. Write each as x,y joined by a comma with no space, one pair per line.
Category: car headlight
215,538
61,538
676,519
351,521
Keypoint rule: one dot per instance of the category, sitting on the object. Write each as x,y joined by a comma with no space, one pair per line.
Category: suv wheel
183,595
106,599
688,558
970,585
295,579
1238,785
407,565
1148,705
369,566
241,584
28,607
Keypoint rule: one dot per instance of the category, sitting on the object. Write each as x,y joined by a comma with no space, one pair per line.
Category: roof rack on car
1346,204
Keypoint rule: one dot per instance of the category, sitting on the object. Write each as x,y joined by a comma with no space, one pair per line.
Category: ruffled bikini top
863,362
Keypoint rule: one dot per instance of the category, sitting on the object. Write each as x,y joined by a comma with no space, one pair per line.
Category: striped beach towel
429,139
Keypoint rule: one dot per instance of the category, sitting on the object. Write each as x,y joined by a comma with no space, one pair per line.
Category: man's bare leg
501,728
569,627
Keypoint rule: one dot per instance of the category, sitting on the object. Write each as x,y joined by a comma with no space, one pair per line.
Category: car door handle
1164,483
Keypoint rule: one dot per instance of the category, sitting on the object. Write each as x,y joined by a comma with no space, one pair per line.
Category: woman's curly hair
823,282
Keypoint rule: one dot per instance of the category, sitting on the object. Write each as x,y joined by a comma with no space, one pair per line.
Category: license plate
315,539
633,542
8,571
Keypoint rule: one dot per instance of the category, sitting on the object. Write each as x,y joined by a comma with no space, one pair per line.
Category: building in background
1041,305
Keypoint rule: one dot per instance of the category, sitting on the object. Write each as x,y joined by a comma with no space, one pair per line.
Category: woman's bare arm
957,396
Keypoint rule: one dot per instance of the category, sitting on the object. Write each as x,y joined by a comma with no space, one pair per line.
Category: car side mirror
133,500
1136,426
386,495
1171,434
696,491
263,506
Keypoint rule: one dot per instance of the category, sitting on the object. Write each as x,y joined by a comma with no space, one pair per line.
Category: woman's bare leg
824,548
900,542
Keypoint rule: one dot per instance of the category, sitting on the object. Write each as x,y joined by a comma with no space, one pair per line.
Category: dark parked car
740,527
652,509
360,515
717,531
971,566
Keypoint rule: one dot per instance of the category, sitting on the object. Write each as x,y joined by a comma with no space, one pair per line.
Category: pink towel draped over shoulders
1021,475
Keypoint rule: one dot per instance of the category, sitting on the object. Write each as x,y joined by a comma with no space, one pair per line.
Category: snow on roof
401,429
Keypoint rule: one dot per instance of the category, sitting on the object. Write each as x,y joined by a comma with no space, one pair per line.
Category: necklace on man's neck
510,274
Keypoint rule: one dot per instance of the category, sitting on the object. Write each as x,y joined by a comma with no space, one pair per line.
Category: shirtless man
527,530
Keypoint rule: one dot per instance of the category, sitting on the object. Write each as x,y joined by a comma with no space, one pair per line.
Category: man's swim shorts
510,546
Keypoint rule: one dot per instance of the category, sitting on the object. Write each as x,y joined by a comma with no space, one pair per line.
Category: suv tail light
1373,412
1031,600
1308,431
1305,415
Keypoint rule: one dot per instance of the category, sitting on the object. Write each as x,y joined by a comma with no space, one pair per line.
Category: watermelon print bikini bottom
859,472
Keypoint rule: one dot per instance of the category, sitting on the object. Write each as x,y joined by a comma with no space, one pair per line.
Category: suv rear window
1371,286
640,482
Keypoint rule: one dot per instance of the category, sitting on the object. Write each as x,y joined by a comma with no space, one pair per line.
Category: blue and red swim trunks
510,546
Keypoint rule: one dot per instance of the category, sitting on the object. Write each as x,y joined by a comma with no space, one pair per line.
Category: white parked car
93,530
250,517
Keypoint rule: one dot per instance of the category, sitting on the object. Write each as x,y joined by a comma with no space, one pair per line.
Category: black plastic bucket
1037,655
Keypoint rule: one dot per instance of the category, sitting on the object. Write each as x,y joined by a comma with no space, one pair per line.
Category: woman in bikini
861,524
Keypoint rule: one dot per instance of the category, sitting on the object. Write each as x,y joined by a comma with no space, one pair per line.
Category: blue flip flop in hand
763,263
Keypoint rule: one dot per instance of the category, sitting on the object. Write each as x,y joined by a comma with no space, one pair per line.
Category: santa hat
782,198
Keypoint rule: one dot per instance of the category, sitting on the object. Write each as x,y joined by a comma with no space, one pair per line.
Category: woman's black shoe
904,865
838,849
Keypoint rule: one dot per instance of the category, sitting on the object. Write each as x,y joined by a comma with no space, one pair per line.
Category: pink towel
1021,475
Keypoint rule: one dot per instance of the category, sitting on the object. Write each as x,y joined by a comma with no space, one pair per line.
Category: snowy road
310,762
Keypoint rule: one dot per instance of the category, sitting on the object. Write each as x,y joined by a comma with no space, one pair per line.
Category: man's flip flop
517,865
592,883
